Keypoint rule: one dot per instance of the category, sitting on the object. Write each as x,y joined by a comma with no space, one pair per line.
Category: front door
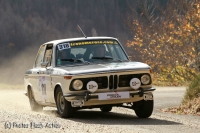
45,82
34,76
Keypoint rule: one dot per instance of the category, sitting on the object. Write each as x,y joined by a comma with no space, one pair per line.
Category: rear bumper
93,96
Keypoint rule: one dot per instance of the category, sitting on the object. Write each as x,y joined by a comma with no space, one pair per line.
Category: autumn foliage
167,38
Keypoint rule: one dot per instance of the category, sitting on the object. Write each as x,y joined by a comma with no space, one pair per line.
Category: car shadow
112,118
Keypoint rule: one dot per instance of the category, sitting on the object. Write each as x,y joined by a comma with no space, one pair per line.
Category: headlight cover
92,86
77,85
135,83
145,79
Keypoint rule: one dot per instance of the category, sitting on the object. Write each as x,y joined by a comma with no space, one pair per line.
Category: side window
48,54
40,56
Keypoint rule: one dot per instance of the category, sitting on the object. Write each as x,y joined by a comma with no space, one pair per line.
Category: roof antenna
82,31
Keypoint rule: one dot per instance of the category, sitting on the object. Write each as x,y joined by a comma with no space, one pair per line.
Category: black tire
143,109
65,110
106,108
34,105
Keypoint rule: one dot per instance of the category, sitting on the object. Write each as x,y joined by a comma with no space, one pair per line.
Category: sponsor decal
92,86
113,95
63,46
93,42
135,83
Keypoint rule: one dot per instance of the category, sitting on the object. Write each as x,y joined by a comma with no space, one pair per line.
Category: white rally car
90,72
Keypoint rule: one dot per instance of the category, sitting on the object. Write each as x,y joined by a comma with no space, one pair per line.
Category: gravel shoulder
16,116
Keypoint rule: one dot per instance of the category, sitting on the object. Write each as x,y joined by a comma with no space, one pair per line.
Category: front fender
26,89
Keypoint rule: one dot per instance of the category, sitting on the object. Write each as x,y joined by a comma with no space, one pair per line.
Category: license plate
113,95
77,103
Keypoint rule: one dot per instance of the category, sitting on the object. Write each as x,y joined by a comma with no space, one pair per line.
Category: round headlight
145,79
77,84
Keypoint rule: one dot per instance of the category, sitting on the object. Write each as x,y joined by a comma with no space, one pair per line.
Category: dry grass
190,107
191,101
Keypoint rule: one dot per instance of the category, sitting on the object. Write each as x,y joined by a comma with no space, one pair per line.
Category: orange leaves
172,43
135,22
129,43
152,42
193,49
171,25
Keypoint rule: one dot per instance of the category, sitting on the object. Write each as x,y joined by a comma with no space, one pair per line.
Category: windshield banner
93,42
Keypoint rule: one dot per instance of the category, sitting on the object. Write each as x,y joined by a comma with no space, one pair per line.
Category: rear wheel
64,107
106,108
34,105
143,109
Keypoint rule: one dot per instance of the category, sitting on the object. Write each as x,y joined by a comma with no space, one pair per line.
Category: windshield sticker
42,88
93,42
64,46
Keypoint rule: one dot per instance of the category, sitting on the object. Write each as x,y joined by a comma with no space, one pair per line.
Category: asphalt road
16,116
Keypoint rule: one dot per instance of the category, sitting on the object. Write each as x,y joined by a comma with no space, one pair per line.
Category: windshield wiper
118,60
75,60
72,60
103,58
87,62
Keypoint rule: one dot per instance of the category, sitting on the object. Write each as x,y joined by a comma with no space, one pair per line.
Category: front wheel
143,109
64,107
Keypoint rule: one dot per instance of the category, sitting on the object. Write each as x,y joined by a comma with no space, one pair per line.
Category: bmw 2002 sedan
91,72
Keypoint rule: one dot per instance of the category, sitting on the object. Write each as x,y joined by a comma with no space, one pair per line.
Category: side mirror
44,64
130,58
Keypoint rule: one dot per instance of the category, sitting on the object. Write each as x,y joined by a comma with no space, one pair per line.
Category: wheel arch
28,89
55,89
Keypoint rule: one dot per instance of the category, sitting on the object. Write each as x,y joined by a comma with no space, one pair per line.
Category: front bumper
25,93
89,96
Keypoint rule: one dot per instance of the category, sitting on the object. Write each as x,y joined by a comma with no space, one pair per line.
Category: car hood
104,67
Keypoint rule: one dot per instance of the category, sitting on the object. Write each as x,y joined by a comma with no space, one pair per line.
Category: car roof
55,42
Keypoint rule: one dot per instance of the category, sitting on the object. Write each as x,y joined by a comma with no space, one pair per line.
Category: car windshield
89,52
